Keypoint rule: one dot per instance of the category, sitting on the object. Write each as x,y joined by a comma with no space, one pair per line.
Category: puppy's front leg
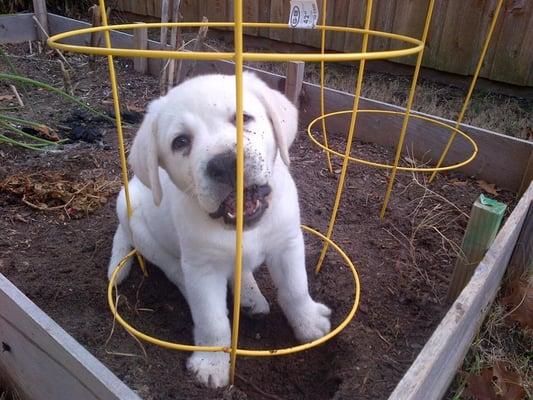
286,263
206,294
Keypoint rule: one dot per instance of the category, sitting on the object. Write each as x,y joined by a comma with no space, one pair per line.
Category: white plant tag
304,14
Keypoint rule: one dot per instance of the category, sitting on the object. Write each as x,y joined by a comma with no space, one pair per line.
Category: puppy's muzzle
222,170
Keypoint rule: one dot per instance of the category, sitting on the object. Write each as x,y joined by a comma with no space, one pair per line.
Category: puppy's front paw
211,369
310,321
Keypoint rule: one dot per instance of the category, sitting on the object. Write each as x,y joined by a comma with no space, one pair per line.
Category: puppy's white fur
172,197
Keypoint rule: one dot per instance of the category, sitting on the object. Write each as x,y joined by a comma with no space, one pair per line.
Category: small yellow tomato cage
408,46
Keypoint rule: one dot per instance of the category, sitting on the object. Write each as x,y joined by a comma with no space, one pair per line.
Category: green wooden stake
485,219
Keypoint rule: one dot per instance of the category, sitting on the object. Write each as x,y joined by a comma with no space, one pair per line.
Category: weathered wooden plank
410,22
251,14
279,12
465,28
44,361
338,16
190,10
527,177
435,33
382,20
217,11
17,28
230,10
435,366
294,80
356,19
522,258
140,39
264,16
512,54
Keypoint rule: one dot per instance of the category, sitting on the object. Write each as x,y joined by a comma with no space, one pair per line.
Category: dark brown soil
405,260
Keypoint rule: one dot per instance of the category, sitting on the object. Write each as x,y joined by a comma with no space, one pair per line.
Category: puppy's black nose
222,168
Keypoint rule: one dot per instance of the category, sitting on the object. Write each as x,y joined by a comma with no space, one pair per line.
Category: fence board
382,20
463,20
409,22
279,12
251,14
455,38
217,10
337,16
511,51
356,19
264,16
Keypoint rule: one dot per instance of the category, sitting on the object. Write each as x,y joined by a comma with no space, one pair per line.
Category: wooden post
294,80
163,41
485,219
140,41
39,9
96,37
174,35
528,175
522,257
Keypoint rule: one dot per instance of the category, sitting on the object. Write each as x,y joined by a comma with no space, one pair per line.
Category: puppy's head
191,134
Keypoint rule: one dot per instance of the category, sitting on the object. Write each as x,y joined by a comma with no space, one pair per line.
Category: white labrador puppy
183,203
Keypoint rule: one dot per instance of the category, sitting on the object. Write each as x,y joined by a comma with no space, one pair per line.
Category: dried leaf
480,387
527,133
508,383
7,97
488,187
520,301
47,133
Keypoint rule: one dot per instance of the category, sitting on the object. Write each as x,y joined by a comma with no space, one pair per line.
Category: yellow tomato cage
239,56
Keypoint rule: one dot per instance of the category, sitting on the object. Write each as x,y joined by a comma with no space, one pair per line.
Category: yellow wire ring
241,352
389,166
311,57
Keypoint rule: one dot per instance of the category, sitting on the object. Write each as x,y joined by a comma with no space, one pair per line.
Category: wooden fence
457,32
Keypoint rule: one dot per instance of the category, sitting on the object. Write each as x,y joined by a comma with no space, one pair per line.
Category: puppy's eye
245,117
181,142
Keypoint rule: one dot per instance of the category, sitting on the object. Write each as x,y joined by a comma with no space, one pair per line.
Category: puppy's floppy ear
282,113
143,156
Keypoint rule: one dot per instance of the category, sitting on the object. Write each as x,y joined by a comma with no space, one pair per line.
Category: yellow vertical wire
408,109
470,89
346,161
116,107
239,186
322,68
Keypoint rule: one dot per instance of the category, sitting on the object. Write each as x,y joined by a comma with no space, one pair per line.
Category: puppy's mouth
255,205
